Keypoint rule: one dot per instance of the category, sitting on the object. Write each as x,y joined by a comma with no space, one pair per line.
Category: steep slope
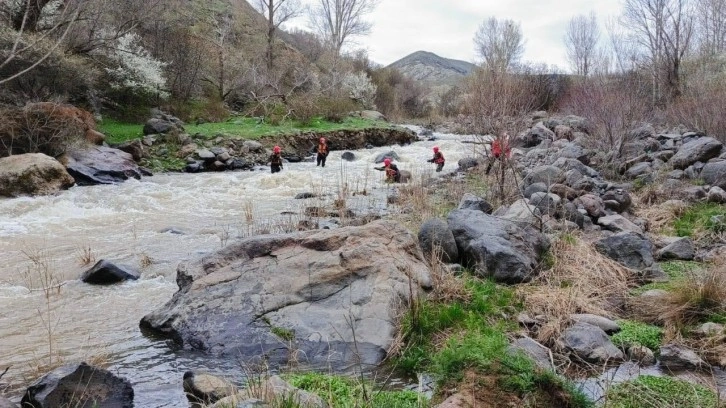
429,67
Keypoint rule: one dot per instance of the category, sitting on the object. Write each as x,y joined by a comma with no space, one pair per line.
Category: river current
48,316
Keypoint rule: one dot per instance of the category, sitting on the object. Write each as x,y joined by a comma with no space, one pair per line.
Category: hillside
429,67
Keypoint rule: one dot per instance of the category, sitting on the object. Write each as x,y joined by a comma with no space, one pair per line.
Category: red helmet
276,149
436,149
322,140
387,162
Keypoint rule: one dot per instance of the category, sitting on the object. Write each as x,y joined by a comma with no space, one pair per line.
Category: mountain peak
427,66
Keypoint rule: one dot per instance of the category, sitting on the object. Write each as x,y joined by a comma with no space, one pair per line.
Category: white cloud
447,27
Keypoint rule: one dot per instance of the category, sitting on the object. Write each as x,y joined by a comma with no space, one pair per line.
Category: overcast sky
447,27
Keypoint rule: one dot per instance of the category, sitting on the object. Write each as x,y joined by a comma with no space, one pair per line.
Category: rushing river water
48,316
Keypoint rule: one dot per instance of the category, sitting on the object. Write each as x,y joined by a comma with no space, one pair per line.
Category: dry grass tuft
696,298
581,281
660,216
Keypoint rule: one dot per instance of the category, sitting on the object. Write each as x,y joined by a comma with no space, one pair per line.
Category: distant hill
429,67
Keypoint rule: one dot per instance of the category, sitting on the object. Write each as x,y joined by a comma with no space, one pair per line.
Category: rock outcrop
101,165
308,293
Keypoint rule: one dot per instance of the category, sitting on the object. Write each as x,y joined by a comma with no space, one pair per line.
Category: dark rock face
434,237
630,249
503,249
79,385
472,202
590,343
306,286
348,156
101,165
715,174
106,273
387,155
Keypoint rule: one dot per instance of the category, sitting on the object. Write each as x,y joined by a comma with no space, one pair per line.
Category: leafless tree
711,19
340,20
276,12
499,43
663,29
581,41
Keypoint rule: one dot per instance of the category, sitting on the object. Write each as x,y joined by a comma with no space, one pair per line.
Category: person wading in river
322,151
393,175
438,159
276,160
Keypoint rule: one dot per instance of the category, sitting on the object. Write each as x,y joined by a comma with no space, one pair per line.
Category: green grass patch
660,392
343,392
241,127
701,218
637,333
283,333
677,271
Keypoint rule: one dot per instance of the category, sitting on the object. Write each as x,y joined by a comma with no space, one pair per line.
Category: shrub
701,219
336,108
649,391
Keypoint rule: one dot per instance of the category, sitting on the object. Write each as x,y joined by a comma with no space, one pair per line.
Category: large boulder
544,174
471,202
714,173
32,174
618,223
107,273
314,289
697,150
499,248
436,238
79,385
101,165
590,343
630,249
675,357
386,155
206,388
681,248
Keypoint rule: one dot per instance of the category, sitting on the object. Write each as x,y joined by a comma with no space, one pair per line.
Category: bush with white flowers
135,67
360,88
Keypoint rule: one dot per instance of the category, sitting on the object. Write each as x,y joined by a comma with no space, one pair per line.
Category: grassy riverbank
241,127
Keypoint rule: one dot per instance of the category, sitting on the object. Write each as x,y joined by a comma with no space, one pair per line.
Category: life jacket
322,148
276,159
439,158
497,148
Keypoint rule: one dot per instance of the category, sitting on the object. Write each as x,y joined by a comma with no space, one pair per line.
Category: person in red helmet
276,160
500,148
438,159
393,175
322,152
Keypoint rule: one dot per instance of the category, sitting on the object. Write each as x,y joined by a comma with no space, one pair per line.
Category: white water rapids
44,240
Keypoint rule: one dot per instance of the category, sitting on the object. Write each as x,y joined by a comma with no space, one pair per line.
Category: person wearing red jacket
393,175
276,160
500,147
438,159
322,151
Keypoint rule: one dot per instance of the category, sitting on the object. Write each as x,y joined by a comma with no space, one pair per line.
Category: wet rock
32,174
467,163
304,195
305,282
471,202
590,343
714,174
79,385
239,164
205,388
348,156
194,167
534,350
642,355
701,149
172,230
507,251
435,238
681,248
607,325
630,249
101,165
676,357
618,223
386,155
107,273
716,195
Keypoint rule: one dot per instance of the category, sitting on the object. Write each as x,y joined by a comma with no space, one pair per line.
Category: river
48,316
